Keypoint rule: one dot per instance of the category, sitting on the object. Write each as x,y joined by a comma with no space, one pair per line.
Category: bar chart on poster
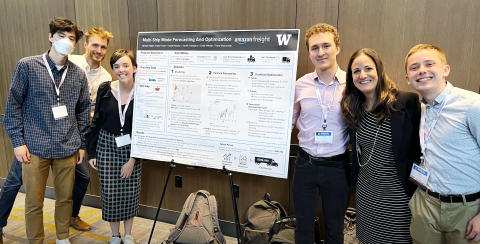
216,98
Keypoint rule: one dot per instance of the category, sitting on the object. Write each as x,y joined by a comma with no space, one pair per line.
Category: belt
452,198
322,161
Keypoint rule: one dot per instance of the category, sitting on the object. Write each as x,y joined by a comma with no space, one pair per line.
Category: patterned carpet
100,233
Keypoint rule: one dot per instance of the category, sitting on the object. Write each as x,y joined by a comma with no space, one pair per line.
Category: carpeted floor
100,233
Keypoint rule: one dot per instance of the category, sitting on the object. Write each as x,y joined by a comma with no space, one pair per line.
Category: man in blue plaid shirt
47,117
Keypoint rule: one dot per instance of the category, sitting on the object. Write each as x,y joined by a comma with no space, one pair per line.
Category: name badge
419,175
323,137
59,112
123,140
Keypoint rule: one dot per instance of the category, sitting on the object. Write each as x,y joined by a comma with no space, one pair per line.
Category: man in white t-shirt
96,43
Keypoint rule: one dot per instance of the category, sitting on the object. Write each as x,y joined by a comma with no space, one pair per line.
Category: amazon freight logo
283,39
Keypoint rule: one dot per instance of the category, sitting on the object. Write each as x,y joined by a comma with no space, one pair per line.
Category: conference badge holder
419,175
123,140
323,137
59,111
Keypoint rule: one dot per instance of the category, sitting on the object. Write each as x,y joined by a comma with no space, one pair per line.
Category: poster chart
216,98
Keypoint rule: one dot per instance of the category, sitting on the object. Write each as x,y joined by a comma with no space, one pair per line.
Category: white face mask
63,47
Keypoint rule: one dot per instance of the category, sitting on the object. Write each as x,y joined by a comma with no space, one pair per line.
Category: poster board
216,98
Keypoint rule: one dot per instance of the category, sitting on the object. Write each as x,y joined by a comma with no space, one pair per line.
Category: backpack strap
283,212
203,192
283,223
267,197
182,220
273,204
217,233
266,204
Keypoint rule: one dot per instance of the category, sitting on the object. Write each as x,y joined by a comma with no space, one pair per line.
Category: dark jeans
10,188
12,185
331,183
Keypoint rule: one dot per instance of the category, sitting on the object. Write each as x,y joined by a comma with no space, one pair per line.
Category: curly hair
353,99
322,28
98,32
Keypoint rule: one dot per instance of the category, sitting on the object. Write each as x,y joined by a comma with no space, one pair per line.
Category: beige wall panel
94,186
393,27
381,25
9,155
4,166
6,152
294,138
184,15
142,15
311,12
154,175
461,35
112,15
24,28
193,180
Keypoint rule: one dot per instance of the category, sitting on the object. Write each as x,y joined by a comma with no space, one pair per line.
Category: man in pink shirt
322,166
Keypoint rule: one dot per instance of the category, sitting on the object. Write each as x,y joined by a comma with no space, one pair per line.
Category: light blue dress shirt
452,154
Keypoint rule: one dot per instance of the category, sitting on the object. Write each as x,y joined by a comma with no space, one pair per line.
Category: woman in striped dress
384,131
109,147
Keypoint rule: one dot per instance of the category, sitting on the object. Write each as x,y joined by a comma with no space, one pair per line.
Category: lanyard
57,89
119,100
425,134
325,109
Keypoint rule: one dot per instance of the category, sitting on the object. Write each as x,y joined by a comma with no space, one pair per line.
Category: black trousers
331,183
82,179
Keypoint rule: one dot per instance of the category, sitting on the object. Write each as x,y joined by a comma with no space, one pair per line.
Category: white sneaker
115,240
64,241
128,239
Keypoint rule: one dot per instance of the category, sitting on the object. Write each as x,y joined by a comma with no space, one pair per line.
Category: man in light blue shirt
446,208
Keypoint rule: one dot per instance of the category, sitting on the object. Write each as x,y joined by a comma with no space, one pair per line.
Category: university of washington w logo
283,39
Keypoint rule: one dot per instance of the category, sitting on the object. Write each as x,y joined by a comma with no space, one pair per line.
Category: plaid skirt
120,197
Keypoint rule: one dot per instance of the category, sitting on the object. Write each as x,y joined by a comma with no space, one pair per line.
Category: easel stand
234,200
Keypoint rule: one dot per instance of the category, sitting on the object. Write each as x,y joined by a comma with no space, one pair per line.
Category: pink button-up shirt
308,116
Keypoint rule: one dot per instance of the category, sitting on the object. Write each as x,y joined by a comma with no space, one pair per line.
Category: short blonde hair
98,32
420,47
322,28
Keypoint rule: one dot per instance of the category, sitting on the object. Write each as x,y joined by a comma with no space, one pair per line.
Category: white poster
214,99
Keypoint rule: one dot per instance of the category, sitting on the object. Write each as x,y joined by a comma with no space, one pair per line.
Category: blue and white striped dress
383,215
